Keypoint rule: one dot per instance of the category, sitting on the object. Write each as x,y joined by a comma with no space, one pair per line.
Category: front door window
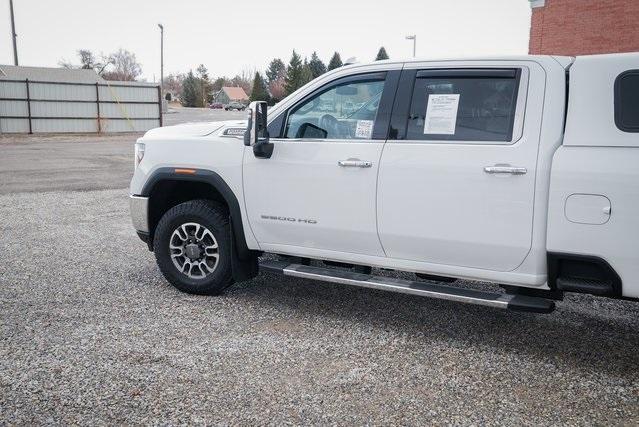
346,111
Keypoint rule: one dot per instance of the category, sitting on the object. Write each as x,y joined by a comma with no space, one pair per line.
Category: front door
457,178
318,189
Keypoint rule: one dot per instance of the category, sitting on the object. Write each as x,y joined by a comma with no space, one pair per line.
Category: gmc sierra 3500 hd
522,171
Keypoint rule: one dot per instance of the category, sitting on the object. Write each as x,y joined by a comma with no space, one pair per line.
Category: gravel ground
90,333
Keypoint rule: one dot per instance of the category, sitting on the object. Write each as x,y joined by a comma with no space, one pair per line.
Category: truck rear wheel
192,246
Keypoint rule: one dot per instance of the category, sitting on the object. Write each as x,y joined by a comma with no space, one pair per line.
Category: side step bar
431,290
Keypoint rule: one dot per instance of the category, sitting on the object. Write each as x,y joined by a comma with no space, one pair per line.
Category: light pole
161,61
14,36
414,39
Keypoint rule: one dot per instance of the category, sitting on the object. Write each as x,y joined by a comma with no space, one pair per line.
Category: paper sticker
441,114
364,129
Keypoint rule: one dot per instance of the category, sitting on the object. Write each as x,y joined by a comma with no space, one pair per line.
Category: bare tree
244,79
88,61
125,66
277,90
173,84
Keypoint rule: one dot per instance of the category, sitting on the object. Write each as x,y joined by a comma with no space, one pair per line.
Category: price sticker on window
364,129
441,114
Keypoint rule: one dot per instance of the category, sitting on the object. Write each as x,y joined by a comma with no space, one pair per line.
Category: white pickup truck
522,171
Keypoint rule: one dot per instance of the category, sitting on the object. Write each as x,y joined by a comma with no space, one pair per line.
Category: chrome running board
431,290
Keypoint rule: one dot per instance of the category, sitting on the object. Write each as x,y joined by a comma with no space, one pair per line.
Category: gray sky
228,36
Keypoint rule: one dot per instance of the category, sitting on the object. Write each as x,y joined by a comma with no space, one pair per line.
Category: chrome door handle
504,169
355,163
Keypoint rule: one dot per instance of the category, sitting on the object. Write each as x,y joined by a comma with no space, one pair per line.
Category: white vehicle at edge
522,171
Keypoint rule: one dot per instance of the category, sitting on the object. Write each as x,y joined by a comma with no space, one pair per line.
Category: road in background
81,162
185,115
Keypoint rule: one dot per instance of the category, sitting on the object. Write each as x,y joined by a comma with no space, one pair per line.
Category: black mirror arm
263,150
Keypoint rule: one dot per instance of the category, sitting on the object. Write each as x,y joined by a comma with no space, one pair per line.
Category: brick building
584,27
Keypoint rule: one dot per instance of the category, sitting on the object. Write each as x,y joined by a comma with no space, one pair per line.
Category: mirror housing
256,134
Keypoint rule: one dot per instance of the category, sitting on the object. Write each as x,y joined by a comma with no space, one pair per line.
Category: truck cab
520,171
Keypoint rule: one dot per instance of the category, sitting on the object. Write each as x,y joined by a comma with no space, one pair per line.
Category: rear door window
627,101
464,105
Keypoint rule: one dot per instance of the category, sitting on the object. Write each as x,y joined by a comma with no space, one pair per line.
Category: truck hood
191,129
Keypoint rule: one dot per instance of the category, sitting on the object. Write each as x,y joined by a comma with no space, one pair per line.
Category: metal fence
28,106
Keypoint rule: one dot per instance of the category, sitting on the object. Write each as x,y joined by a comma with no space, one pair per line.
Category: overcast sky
230,35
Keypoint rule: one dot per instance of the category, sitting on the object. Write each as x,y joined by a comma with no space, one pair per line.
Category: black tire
214,217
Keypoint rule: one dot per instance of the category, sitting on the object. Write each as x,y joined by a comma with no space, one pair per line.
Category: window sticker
441,114
364,129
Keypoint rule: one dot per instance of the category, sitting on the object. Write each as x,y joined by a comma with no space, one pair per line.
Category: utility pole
14,36
161,61
414,39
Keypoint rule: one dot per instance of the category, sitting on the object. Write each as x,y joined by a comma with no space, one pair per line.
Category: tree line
278,81
198,89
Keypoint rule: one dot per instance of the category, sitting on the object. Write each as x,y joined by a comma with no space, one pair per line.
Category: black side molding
531,304
584,274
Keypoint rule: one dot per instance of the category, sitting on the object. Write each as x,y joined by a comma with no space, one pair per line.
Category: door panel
302,197
438,204
318,189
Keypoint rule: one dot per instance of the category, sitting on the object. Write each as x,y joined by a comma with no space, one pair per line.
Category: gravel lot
90,333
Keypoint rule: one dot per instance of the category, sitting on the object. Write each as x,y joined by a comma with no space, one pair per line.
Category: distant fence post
97,104
160,102
29,106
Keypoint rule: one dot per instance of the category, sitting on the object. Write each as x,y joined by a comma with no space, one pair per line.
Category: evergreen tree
189,90
205,87
317,66
259,93
381,54
276,70
336,62
294,74
307,73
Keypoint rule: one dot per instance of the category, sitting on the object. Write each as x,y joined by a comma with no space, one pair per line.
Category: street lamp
13,34
414,39
161,61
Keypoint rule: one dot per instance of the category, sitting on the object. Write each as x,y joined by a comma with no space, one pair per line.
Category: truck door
457,177
318,189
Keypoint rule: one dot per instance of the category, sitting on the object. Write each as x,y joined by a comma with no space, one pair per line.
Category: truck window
627,101
463,106
346,111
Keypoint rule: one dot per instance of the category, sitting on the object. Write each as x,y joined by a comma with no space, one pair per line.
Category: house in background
228,94
583,27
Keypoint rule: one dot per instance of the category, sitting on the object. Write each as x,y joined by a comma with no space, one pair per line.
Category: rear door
457,177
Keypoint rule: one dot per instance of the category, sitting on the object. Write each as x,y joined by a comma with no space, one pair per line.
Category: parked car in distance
234,105
216,105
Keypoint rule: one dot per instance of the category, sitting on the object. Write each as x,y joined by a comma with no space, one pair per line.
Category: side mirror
256,129
256,134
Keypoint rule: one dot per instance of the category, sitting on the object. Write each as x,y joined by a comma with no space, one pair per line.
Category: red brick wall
583,27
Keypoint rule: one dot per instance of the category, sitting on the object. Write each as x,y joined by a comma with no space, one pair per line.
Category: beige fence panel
61,107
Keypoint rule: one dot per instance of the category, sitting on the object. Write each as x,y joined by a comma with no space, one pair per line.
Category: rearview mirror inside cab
346,90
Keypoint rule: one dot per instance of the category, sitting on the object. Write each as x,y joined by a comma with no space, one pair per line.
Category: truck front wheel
192,246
